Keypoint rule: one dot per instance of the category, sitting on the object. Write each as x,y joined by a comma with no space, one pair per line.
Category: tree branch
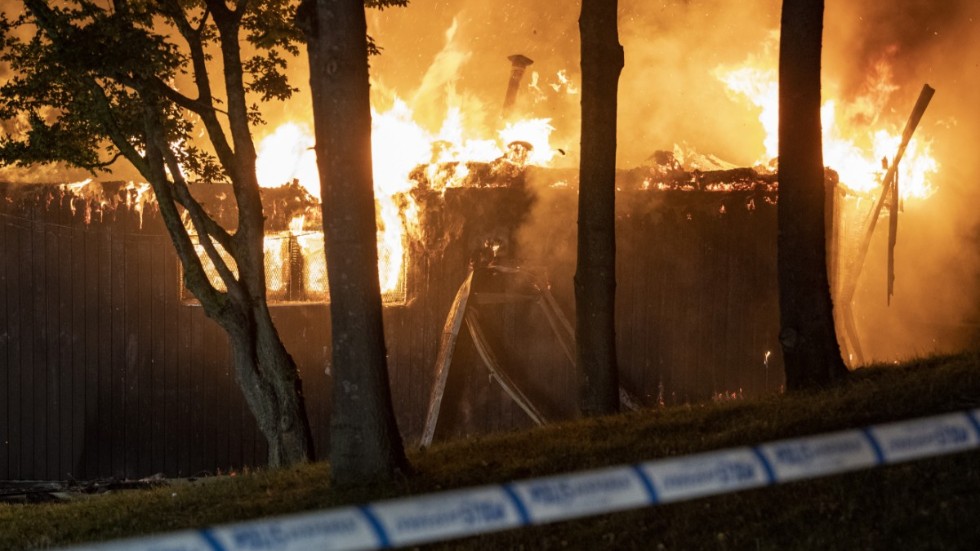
205,103
91,167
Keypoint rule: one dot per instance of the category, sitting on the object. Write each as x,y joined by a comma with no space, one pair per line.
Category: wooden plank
398,343
412,328
224,420
90,312
628,330
132,356
657,317
211,381
447,345
425,337
52,320
223,415
736,344
116,437
850,287
731,358
559,325
317,387
79,300
699,380
713,337
145,366
185,385
7,262
648,373
104,335
171,312
687,306
233,404
239,418
199,384
238,456
491,363
65,372
22,334
38,369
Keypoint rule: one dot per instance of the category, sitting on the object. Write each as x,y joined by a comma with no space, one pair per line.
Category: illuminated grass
930,504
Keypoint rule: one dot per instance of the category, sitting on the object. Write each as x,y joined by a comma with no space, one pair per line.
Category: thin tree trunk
270,396
267,374
809,340
365,445
264,370
595,275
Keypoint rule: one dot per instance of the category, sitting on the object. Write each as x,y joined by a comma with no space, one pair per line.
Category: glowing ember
560,85
854,150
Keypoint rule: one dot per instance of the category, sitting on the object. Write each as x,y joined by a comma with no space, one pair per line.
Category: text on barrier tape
467,512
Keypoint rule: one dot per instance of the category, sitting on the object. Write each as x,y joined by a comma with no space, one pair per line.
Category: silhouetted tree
365,445
807,334
99,81
595,273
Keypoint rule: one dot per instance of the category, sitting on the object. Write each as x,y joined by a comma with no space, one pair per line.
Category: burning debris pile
508,170
666,172
94,203
663,173
87,203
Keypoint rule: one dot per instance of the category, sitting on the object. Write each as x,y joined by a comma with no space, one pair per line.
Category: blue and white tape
459,513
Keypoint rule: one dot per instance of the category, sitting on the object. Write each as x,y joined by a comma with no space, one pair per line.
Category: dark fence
107,372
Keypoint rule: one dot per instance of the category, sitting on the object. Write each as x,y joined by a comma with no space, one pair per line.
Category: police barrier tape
453,514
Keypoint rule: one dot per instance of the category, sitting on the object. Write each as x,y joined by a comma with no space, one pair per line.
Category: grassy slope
930,504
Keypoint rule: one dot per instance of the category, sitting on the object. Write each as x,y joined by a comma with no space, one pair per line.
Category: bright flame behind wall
399,145
854,140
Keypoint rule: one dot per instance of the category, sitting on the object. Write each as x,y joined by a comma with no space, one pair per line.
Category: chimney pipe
518,63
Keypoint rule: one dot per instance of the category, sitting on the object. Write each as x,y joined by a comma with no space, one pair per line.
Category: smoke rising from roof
668,94
442,53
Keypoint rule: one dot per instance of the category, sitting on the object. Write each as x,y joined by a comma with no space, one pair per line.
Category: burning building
112,369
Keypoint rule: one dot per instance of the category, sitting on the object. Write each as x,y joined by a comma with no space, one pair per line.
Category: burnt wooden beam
925,96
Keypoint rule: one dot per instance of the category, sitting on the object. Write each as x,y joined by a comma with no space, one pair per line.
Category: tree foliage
143,80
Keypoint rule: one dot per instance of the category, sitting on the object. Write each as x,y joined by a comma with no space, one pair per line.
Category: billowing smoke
439,54
937,264
669,93
453,53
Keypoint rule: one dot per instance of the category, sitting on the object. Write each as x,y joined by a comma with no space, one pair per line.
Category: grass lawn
927,504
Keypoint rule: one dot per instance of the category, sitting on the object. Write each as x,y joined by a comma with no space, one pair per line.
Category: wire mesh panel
296,270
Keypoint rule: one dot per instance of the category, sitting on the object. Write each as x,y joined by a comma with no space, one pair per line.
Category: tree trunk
595,275
144,128
365,445
263,369
809,340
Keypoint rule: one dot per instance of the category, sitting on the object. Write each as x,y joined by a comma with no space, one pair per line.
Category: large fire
399,145
854,149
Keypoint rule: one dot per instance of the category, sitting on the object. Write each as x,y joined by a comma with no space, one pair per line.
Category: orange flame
399,145
854,150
